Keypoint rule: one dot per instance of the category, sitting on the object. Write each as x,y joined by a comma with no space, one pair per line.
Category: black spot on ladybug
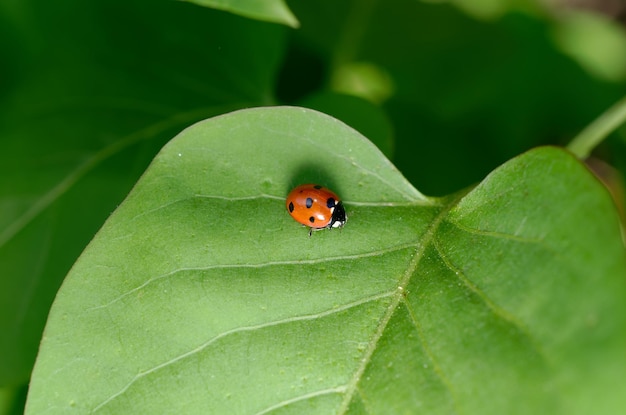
330,203
290,206
309,202
312,219
317,186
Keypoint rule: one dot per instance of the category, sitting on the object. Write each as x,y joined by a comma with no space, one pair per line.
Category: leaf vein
239,198
494,234
499,312
436,367
237,330
287,402
397,297
273,197
201,196
259,265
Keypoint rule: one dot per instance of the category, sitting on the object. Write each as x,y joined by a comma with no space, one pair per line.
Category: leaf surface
201,295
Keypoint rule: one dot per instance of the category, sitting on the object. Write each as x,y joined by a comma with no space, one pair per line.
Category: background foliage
90,91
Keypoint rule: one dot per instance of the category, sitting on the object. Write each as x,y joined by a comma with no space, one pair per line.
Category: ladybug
316,207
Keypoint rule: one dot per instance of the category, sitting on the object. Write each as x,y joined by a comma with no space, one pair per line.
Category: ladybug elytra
316,207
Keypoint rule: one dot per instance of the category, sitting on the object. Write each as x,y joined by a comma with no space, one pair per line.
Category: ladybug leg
310,232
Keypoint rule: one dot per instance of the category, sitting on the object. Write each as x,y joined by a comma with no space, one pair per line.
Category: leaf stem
583,144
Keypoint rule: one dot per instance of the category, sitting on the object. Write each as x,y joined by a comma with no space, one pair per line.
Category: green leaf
275,11
85,114
201,295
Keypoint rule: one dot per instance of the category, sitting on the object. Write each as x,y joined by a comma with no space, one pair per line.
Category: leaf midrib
396,298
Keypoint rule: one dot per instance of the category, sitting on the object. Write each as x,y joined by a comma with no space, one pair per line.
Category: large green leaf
201,295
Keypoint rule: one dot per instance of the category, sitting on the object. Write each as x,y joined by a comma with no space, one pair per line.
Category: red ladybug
316,207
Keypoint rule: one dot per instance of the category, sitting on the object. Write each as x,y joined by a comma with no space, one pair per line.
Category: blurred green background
448,90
